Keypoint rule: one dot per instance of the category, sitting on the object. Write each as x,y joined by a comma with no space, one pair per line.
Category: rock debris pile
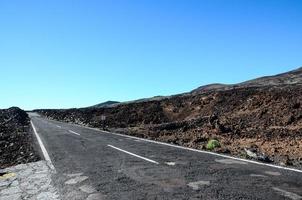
16,141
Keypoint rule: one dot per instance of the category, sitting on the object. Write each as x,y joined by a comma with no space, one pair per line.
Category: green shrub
212,144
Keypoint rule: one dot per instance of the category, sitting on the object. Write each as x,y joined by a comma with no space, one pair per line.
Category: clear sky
75,53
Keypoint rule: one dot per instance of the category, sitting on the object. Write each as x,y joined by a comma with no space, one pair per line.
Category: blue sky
75,53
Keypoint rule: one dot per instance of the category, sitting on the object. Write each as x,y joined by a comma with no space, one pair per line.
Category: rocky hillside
292,77
105,104
260,119
16,142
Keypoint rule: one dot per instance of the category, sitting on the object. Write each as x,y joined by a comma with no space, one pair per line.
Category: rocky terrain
16,142
259,119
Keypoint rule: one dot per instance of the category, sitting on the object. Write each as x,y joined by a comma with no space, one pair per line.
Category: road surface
91,164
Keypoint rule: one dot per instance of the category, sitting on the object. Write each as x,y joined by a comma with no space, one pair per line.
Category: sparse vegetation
212,144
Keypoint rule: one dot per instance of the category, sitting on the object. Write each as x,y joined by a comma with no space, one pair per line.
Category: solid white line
43,149
74,132
195,150
141,157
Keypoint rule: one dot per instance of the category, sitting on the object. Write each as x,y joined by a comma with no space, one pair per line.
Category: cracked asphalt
91,164
30,181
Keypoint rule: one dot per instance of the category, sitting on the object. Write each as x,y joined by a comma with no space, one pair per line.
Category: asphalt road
91,164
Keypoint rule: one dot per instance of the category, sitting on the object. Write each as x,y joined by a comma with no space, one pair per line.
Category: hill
291,77
105,104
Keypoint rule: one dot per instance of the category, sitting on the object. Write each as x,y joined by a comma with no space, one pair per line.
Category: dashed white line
272,173
170,163
198,184
58,126
206,152
43,149
132,154
190,149
74,132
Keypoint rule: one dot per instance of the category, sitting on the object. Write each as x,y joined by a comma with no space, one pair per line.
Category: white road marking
258,175
205,152
230,161
74,132
170,163
287,194
135,155
58,126
196,185
272,173
190,149
43,149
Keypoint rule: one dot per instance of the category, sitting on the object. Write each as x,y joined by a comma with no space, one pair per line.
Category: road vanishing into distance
91,164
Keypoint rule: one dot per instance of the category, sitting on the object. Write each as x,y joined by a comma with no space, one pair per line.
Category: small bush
212,144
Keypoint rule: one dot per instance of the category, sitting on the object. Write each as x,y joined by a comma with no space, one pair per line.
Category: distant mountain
291,77
155,98
110,104
105,104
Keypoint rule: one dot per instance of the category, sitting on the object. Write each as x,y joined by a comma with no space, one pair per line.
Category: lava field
16,140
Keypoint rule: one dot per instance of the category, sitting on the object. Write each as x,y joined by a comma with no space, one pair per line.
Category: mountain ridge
104,104
290,77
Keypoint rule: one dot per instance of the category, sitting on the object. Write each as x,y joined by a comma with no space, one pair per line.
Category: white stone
76,180
87,189
96,196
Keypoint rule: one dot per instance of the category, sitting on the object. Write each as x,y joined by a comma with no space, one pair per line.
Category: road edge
43,149
187,148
